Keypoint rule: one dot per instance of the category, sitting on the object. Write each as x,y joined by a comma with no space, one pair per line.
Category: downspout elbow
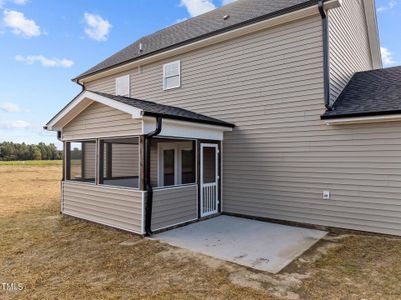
81,84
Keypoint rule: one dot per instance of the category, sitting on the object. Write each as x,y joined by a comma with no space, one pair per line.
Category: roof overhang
173,125
210,40
379,118
81,102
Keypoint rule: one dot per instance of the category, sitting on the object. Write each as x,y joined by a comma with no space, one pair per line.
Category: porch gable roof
153,109
136,107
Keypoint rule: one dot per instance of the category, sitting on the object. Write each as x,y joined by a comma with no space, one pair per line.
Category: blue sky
44,43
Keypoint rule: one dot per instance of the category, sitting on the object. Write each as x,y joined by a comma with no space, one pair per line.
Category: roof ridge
242,13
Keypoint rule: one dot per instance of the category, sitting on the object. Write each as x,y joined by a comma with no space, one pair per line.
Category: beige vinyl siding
99,120
105,85
173,206
125,160
349,44
115,207
281,156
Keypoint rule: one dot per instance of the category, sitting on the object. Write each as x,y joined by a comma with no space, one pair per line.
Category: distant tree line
13,151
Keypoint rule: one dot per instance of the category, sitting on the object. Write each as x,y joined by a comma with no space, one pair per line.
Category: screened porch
137,165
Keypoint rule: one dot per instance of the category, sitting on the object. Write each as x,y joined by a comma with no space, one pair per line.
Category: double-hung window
172,75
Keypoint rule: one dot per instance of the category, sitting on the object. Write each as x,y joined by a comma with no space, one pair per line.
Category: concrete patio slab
260,245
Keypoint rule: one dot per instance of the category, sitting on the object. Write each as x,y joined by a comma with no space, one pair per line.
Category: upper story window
123,86
172,75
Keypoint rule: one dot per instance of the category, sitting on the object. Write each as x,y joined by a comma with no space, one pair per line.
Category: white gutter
286,18
363,120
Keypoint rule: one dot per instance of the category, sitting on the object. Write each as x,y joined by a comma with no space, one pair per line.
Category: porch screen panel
121,162
169,167
187,166
209,165
82,162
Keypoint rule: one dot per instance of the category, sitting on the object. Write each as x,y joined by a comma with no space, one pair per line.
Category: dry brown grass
64,258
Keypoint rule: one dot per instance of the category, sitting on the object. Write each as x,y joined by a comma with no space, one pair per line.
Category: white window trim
165,88
161,147
126,77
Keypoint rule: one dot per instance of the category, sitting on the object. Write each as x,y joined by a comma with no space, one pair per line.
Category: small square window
172,75
123,86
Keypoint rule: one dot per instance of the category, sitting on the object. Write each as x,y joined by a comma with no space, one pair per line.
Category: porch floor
259,245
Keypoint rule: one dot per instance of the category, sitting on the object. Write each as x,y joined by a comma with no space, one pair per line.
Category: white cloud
20,25
227,1
97,28
11,107
387,56
16,125
44,61
18,2
197,7
390,5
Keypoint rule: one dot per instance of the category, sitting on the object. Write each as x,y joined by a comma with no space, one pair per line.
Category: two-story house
276,110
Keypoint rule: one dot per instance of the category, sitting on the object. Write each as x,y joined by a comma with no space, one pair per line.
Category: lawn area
56,257
38,163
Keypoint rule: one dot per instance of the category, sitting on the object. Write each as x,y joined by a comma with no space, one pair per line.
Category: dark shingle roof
369,93
241,12
170,112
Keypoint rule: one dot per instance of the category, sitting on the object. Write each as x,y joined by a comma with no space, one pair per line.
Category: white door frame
212,184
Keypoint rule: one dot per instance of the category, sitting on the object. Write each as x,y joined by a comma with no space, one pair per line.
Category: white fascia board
182,129
218,38
373,33
85,99
363,120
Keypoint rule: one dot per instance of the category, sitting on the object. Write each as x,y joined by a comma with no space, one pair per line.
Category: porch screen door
209,179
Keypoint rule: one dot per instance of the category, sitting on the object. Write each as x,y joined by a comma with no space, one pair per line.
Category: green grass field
32,163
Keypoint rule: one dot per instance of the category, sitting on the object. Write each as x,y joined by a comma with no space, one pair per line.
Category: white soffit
182,129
